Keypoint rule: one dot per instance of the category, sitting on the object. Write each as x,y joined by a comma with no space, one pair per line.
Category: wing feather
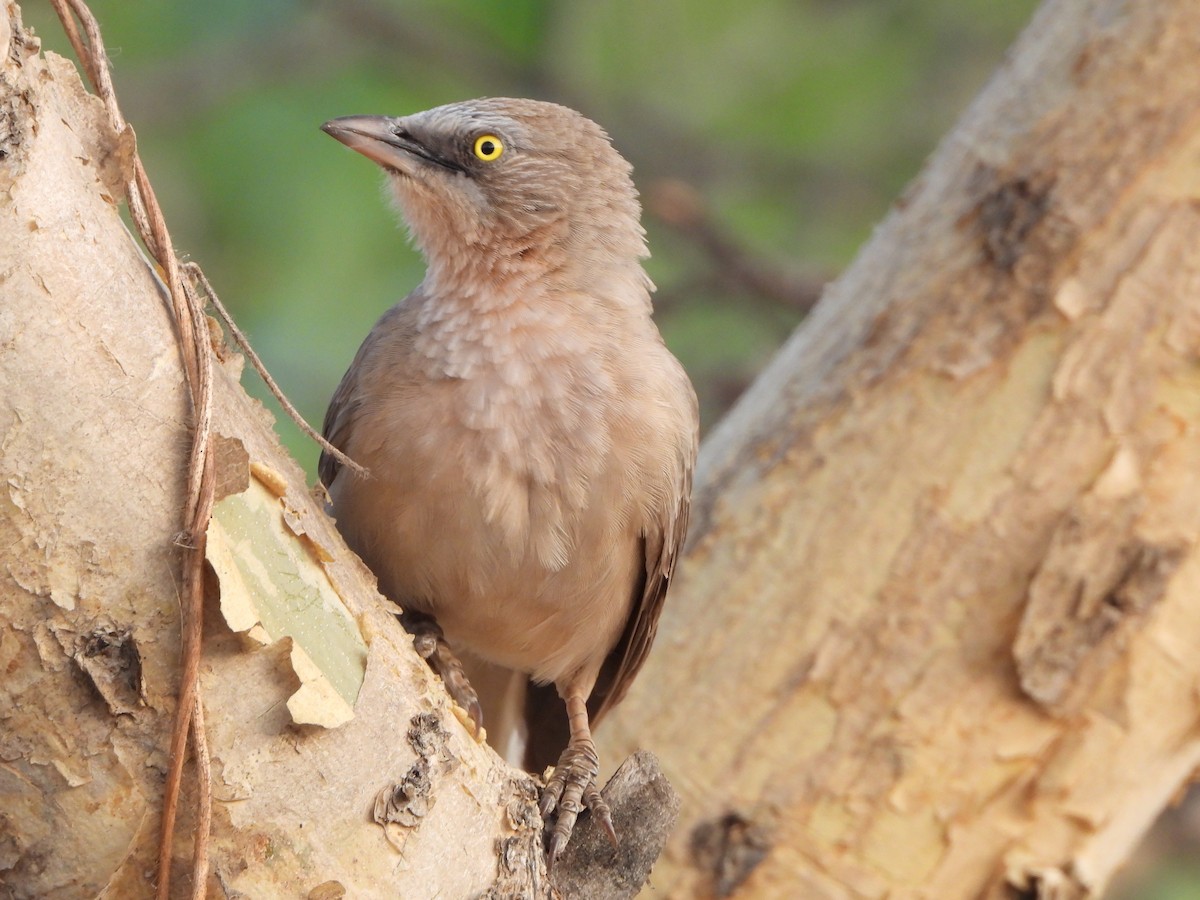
661,546
346,404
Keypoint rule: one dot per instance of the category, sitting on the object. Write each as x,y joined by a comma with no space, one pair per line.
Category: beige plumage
529,438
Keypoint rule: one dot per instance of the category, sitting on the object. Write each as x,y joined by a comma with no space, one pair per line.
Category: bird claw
474,710
571,789
425,643
598,807
447,665
430,643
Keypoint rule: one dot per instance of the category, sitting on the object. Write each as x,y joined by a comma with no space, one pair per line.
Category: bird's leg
430,643
573,784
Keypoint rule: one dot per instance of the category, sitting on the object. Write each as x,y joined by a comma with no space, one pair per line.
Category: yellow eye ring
488,147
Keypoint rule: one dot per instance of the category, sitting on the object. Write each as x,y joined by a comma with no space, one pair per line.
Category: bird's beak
379,138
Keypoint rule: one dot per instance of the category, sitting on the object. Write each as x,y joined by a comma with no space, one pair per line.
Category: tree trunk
935,635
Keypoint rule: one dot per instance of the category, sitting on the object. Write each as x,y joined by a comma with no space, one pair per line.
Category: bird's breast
504,440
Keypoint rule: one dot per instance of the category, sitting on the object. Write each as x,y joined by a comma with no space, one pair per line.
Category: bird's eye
488,147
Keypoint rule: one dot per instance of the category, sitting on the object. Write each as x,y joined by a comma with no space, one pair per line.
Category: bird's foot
430,643
570,789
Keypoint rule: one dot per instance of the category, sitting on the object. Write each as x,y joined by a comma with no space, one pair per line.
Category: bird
529,439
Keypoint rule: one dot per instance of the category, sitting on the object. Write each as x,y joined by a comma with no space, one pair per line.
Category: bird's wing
661,546
347,401
338,419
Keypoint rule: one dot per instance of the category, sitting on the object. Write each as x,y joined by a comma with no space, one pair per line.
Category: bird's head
515,188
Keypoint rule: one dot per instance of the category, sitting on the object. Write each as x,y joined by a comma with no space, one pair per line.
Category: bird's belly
487,578
548,624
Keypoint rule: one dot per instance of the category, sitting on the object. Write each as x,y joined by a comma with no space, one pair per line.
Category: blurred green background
767,138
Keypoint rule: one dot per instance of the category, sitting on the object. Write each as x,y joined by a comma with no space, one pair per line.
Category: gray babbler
529,438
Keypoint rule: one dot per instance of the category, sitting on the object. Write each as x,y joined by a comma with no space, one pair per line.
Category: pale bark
935,635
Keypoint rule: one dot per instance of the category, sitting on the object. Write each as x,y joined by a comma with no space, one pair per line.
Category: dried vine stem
197,276
195,351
